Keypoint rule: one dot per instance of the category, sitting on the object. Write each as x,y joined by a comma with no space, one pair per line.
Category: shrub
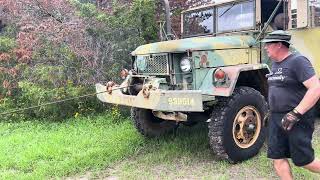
6,44
33,95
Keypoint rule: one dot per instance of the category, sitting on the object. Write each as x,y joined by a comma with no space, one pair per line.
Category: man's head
277,44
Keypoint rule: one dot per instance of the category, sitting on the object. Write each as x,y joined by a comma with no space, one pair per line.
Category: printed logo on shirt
279,71
277,76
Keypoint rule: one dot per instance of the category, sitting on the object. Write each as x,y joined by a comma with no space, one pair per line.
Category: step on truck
215,73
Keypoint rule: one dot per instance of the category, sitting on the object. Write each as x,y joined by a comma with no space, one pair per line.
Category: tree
50,49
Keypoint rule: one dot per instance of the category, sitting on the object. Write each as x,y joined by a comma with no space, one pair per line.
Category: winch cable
57,102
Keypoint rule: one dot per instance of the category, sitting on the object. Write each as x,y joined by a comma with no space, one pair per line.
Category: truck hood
196,43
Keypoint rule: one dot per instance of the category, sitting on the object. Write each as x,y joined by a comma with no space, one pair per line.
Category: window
294,14
298,14
314,9
294,18
235,16
198,22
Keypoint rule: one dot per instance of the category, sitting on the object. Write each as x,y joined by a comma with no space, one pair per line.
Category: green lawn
99,147
33,150
187,156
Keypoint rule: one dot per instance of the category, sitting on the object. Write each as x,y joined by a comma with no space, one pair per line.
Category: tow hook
146,91
109,86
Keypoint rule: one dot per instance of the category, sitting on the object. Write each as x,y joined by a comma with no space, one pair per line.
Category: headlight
185,65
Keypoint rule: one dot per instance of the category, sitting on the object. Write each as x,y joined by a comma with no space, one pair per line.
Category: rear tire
236,130
149,125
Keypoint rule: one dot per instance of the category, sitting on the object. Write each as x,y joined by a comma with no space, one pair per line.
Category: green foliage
52,80
143,12
54,66
45,75
10,30
55,54
32,94
115,114
86,9
57,70
6,44
8,63
125,28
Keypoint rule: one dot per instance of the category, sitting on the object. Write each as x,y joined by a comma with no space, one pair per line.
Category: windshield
235,17
224,18
198,22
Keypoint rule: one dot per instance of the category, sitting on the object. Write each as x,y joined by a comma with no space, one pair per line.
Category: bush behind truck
215,73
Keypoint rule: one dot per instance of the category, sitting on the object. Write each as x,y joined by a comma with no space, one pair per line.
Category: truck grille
156,64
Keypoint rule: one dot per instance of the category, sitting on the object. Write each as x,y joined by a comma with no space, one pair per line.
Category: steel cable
55,102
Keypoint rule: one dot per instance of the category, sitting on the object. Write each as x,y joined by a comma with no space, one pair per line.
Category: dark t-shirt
286,88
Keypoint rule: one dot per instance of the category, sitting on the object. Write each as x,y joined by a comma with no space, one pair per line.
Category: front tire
149,125
236,130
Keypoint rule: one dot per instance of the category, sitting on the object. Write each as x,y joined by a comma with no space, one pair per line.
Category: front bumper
158,100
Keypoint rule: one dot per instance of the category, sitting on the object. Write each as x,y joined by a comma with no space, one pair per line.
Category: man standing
293,91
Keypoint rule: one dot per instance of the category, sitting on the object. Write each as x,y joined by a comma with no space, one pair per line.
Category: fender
208,87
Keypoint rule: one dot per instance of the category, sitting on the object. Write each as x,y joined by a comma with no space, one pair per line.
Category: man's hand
290,119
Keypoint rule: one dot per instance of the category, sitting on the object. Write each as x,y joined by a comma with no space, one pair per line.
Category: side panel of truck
307,42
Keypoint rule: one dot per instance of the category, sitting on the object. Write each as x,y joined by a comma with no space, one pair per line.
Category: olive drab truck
215,73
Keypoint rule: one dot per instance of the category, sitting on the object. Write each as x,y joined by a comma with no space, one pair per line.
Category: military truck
216,73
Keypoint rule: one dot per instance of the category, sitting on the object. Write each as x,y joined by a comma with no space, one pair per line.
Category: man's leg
314,166
283,169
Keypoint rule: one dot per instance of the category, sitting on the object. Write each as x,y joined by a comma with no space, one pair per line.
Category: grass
187,156
37,150
99,147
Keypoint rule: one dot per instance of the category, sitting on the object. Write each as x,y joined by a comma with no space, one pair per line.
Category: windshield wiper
234,3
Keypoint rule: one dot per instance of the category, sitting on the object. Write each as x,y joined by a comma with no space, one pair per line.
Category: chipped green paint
196,43
204,61
205,82
216,58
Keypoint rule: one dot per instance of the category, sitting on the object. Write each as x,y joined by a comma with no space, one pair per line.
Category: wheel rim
246,127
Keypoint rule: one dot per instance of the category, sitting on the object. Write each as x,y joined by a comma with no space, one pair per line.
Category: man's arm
311,97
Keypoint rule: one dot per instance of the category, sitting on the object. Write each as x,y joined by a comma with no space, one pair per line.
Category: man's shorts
294,144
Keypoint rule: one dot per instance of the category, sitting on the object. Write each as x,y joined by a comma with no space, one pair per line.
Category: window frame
240,29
